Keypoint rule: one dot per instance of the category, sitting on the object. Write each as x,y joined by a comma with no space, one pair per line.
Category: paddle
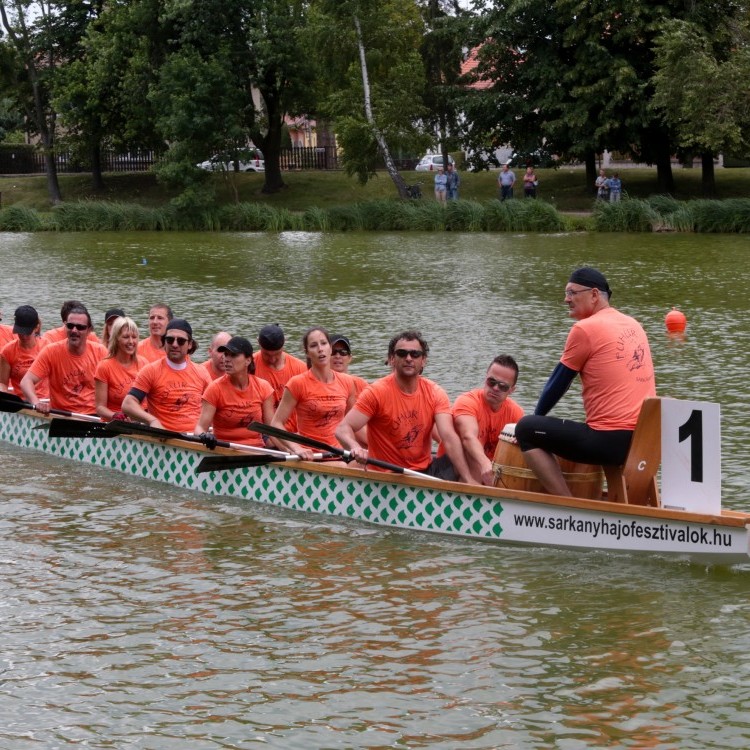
11,403
227,463
265,429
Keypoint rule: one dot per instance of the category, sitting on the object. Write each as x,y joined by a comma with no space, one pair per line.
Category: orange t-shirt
149,352
174,396
320,406
610,351
400,425
278,378
235,409
474,404
70,376
54,335
359,384
119,379
213,374
20,360
6,335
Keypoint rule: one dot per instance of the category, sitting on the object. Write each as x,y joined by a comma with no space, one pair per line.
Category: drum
509,466
512,473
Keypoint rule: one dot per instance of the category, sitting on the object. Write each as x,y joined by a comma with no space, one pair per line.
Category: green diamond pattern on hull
374,497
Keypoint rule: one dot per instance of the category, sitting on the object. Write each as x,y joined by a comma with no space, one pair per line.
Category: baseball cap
25,320
271,337
340,338
591,277
237,345
113,312
180,324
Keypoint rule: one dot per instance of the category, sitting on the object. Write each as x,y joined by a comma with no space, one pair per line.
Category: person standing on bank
530,183
614,184
441,185
602,186
610,352
506,180
454,182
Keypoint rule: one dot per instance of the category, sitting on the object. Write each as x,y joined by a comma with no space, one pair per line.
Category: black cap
592,277
113,312
271,337
26,320
180,324
237,345
340,338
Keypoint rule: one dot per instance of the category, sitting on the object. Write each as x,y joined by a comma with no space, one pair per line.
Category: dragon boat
635,517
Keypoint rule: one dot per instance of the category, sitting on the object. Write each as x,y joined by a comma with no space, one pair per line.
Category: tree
32,42
372,78
442,51
701,88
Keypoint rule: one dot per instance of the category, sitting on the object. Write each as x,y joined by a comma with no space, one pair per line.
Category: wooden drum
509,466
512,473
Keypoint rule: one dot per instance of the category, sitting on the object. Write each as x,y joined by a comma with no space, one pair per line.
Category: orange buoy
675,321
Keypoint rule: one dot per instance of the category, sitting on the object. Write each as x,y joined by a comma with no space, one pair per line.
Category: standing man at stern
610,351
400,411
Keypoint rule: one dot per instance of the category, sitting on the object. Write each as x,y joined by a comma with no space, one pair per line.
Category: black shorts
574,441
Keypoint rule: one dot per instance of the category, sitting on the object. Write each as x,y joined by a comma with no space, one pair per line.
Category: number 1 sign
691,456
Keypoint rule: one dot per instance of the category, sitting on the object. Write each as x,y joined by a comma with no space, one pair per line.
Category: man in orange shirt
152,349
69,368
6,333
480,415
610,352
61,334
400,411
17,356
173,384
273,364
215,363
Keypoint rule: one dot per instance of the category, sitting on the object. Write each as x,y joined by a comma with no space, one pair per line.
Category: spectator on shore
454,182
506,180
602,186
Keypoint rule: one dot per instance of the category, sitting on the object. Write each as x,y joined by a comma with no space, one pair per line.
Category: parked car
250,160
430,162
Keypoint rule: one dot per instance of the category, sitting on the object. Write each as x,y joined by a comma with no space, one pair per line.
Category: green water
137,615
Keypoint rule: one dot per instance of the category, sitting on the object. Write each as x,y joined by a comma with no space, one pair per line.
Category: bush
19,219
624,216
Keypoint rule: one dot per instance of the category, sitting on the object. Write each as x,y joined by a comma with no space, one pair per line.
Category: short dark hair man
69,367
400,411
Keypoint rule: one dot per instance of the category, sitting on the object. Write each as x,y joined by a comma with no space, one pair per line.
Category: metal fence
28,161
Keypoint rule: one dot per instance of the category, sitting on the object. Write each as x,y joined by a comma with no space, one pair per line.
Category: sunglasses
413,353
340,352
176,339
499,384
76,326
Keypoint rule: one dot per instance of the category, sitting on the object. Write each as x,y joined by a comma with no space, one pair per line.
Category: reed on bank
658,213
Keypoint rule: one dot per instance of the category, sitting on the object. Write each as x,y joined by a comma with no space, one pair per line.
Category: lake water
136,615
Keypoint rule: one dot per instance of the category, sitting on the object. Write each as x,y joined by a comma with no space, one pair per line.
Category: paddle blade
10,403
229,463
266,429
70,428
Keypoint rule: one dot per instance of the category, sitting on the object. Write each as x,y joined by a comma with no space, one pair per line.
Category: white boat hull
389,500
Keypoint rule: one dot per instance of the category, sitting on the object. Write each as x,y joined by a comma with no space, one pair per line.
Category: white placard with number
691,456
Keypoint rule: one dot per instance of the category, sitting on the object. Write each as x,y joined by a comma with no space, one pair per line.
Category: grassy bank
330,200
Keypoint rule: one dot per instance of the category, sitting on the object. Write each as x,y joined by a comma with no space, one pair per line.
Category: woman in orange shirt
237,398
115,374
320,396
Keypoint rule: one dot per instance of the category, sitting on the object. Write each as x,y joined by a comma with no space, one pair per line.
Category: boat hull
485,514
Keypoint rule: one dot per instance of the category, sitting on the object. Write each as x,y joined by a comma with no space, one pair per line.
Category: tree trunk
22,46
590,160
708,177
271,143
97,179
390,165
